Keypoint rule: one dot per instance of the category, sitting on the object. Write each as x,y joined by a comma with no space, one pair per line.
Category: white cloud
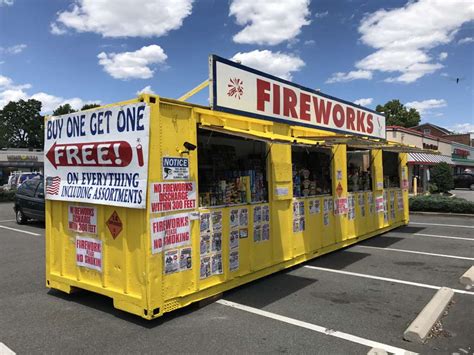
275,63
443,56
10,92
146,90
403,37
6,2
463,128
466,40
15,49
352,75
425,106
364,102
132,65
321,14
269,21
309,42
124,18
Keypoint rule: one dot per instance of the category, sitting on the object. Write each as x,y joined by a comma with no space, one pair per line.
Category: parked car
465,180
29,201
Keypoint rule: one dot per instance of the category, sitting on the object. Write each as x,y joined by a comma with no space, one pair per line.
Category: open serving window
311,170
359,176
232,169
391,172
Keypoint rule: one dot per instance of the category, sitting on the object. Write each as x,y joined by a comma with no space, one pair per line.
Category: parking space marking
5,350
314,327
380,278
443,225
20,230
443,236
415,252
8,220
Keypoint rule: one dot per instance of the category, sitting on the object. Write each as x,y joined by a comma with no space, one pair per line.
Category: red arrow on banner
113,154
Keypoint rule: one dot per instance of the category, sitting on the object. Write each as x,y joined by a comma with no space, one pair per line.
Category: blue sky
107,50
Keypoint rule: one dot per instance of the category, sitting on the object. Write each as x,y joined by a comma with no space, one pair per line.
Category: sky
365,51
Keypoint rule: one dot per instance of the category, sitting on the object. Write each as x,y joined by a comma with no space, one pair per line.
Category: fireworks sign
99,156
242,90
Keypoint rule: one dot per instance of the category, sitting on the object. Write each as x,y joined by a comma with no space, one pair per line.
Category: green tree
22,124
89,106
397,114
63,110
442,177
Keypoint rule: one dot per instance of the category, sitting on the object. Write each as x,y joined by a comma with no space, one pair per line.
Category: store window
311,171
390,163
359,177
232,170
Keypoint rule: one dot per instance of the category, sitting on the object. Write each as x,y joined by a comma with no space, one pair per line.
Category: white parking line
19,230
443,225
314,327
443,236
415,252
403,282
8,220
5,350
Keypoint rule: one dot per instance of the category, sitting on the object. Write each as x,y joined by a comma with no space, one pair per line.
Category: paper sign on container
172,196
82,219
89,253
170,232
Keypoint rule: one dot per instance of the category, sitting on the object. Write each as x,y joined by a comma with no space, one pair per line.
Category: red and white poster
379,204
340,206
82,219
243,90
170,232
172,196
98,156
89,253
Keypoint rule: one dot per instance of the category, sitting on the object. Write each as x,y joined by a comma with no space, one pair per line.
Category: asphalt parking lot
348,301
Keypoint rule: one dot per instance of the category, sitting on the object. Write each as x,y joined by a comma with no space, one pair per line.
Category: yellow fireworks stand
135,278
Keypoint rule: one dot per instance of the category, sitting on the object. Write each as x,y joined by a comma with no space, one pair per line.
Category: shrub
438,203
442,177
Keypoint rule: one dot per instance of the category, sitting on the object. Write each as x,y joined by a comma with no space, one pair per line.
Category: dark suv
29,201
465,180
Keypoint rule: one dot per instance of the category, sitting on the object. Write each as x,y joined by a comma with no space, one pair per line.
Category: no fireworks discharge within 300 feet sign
99,156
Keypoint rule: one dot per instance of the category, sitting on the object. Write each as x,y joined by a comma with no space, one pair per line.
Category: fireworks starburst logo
235,88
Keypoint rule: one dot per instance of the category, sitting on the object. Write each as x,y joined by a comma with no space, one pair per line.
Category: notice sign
175,168
172,196
170,232
242,90
341,206
98,156
82,219
89,253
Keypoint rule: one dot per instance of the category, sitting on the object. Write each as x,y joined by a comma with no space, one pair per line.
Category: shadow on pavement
339,260
381,242
407,230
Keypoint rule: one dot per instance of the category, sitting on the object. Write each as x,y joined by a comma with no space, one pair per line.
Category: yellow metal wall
135,278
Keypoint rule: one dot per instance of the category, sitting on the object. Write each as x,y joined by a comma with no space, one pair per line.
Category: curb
419,329
445,214
468,278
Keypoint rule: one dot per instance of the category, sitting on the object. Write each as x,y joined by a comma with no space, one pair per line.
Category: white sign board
82,219
170,232
172,196
98,156
89,253
243,90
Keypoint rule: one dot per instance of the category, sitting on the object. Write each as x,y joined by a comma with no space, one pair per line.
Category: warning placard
341,206
379,204
175,168
115,225
89,253
172,196
82,219
170,232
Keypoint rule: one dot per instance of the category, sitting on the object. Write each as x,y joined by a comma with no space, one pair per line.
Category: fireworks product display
311,172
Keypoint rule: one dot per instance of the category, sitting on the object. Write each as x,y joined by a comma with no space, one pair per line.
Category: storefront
263,180
19,161
462,157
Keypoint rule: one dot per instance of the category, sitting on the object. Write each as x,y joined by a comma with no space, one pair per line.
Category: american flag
52,185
